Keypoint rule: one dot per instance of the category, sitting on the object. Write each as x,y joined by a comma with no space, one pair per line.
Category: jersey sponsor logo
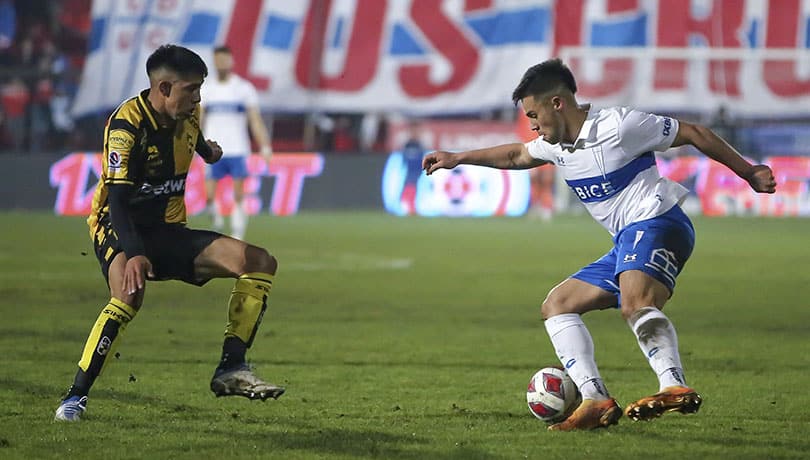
120,139
114,161
667,126
594,192
170,187
603,187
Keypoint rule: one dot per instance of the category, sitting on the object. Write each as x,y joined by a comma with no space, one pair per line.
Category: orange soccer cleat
671,399
591,414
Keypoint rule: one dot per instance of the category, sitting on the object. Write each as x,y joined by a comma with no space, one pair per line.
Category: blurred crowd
42,48
43,45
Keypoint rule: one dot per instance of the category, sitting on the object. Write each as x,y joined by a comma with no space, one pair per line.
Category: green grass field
403,338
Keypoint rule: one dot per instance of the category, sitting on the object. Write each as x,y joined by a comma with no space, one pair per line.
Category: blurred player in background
606,157
230,106
138,228
412,153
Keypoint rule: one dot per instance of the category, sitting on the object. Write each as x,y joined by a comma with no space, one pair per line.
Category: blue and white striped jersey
611,166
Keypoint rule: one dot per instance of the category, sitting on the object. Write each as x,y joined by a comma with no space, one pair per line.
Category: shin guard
247,305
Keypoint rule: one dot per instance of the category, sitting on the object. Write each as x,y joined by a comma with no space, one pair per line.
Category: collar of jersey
150,112
584,131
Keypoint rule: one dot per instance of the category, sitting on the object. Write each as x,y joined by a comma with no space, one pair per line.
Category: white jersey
611,166
226,104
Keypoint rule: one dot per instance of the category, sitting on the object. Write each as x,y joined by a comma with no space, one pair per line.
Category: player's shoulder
129,116
243,85
129,110
240,81
615,114
627,119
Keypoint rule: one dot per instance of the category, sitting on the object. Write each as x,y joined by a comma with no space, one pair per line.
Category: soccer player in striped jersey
139,233
606,157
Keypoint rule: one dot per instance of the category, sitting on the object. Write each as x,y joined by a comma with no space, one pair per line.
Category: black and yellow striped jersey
153,158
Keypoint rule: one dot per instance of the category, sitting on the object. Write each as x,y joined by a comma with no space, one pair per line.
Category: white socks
574,347
659,343
238,221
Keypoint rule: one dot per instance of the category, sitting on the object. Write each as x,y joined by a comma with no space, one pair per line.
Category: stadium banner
432,56
300,182
276,187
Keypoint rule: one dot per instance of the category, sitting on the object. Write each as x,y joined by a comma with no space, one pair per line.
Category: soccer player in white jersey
605,156
230,106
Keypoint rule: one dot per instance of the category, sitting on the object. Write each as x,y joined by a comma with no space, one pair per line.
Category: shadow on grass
356,443
731,436
57,391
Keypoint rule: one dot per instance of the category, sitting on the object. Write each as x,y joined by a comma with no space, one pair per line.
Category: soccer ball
552,395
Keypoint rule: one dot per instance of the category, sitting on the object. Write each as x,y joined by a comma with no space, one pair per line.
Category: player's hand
437,160
216,151
267,153
137,270
761,179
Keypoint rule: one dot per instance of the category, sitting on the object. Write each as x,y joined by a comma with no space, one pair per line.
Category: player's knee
632,311
133,300
259,260
554,304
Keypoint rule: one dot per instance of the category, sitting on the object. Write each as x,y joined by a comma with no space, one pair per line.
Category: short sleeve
537,149
120,142
251,96
641,132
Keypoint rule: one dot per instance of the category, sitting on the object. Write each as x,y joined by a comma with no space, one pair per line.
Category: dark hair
544,77
177,59
222,49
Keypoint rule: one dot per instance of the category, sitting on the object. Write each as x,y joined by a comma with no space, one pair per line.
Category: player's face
544,117
223,62
183,97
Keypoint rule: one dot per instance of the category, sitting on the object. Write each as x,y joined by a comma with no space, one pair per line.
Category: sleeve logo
667,126
120,139
114,161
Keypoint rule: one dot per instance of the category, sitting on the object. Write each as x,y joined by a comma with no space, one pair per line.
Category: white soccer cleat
71,409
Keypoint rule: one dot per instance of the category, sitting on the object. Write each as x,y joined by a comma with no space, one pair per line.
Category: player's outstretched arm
506,156
759,177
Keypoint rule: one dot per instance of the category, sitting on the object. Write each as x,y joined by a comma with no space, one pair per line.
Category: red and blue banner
434,56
